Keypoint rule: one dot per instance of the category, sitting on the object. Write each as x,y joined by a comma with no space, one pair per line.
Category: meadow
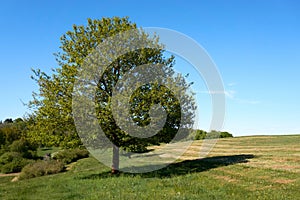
257,167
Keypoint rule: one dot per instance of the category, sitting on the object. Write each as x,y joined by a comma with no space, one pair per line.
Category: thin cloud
228,93
231,94
232,84
244,101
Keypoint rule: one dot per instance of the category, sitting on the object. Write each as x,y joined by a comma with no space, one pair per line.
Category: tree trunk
115,160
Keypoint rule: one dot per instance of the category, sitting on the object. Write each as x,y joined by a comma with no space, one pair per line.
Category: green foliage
9,133
8,121
15,150
24,147
12,130
2,137
213,134
9,156
200,134
3,149
41,168
136,148
70,155
225,135
53,123
11,162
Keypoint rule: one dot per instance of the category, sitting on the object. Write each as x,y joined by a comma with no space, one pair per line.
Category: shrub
225,135
3,149
200,134
9,133
136,148
15,166
11,162
211,135
2,137
70,155
9,157
41,168
24,147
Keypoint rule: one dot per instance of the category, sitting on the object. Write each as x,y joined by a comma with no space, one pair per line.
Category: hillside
258,167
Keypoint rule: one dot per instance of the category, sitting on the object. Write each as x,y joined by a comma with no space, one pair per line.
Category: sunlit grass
237,168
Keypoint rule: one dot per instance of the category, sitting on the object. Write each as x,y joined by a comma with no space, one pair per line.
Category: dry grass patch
281,156
284,181
225,178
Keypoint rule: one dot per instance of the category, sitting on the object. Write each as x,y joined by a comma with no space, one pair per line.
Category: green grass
237,168
43,151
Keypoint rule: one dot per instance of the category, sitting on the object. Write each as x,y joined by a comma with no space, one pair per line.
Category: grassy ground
43,151
237,168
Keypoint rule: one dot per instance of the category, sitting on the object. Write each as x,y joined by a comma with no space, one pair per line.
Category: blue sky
255,45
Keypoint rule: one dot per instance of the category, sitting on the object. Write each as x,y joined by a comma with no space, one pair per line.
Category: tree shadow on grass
183,167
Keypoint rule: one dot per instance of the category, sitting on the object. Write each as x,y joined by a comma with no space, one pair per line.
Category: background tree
12,131
8,121
54,124
201,135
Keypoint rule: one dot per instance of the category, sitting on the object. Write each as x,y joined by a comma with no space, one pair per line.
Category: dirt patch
11,174
69,166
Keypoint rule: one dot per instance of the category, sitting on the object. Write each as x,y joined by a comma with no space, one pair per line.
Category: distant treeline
201,134
16,151
11,130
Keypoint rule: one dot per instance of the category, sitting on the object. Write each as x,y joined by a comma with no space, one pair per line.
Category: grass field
261,167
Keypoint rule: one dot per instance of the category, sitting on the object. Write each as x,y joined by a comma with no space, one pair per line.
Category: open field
260,167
